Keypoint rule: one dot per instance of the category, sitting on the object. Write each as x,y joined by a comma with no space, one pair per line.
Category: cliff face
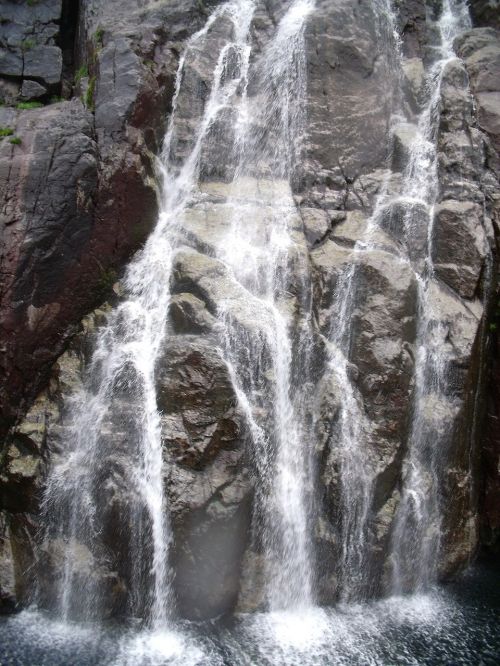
79,196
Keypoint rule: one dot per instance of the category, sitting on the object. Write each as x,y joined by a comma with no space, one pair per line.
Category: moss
27,44
6,131
15,140
81,73
106,281
89,95
29,105
98,37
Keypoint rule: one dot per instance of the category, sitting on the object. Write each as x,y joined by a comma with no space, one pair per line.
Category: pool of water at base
452,625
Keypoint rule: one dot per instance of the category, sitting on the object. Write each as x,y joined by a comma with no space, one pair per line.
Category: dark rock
208,482
32,90
459,246
44,63
11,63
486,12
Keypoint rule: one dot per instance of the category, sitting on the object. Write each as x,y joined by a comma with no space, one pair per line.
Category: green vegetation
27,44
32,3
106,281
6,131
98,37
29,105
89,95
81,73
55,99
15,140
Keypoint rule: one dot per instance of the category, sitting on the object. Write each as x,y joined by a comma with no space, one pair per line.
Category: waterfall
417,532
258,249
109,477
356,466
114,422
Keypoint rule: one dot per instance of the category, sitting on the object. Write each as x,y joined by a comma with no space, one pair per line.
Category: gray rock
208,483
11,62
459,246
32,90
44,63
7,569
414,74
190,315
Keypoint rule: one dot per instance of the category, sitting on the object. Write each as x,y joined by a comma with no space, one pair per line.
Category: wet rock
7,569
80,189
208,482
414,73
480,49
190,315
405,137
348,83
459,246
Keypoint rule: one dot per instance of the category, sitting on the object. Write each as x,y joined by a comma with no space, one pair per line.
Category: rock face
78,187
480,49
79,196
208,483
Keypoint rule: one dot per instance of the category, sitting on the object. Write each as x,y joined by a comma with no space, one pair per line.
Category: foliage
89,95
29,105
81,73
15,140
98,37
27,44
106,281
6,131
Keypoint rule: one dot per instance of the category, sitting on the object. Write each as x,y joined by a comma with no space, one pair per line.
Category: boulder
459,245
208,484
44,63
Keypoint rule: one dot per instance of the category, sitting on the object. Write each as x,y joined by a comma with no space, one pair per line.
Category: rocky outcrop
78,184
480,49
209,485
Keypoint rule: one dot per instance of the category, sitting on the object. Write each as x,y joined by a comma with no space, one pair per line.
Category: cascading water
108,534
114,419
417,532
259,254
415,539
356,467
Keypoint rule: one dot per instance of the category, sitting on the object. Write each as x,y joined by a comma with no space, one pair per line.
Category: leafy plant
29,105
89,95
81,73
15,140
6,131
